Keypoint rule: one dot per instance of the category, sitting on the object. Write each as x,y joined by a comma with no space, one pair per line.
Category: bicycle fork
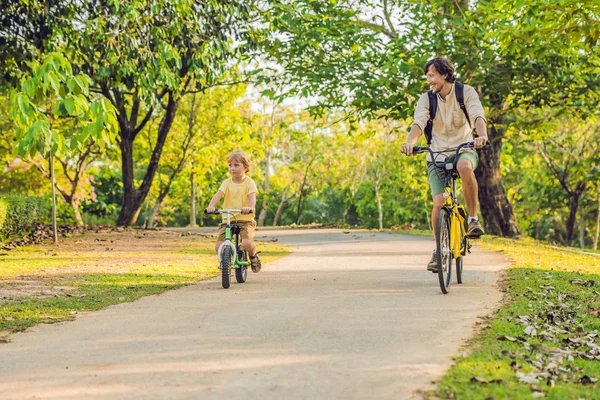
233,252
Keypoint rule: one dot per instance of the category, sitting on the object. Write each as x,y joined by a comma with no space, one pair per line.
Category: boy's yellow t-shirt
236,196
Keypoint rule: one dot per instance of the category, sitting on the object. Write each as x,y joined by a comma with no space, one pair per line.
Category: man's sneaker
474,230
432,265
255,263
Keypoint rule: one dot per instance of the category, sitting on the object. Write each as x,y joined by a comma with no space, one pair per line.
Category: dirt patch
94,251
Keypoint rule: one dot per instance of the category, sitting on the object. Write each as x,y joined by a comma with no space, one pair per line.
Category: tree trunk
76,212
574,204
150,219
302,193
280,209
133,198
284,201
300,208
192,201
597,223
498,216
53,180
378,197
581,228
263,212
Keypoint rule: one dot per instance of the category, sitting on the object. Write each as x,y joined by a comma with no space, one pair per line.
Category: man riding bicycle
449,128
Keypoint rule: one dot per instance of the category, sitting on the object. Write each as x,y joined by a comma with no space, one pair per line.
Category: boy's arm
251,203
214,201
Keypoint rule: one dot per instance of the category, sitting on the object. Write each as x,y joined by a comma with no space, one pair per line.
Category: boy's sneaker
255,263
432,264
474,229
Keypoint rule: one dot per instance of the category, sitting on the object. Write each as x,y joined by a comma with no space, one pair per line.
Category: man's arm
475,110
482,136
413,136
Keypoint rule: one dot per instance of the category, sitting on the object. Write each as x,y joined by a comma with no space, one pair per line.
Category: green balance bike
232,256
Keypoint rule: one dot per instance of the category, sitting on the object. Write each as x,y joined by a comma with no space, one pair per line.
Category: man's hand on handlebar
480,142
407,149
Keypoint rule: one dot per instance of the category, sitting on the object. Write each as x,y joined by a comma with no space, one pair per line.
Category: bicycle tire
443,252
461,260
459,269
241,272
226,268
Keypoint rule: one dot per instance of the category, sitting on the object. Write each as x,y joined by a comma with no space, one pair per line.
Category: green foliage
19,214
106,196
53,92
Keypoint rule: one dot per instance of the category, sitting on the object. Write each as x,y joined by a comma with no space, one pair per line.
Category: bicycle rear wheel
241,272
459,268
443,251
226,267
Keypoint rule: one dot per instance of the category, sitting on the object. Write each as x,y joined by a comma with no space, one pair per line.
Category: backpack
459,90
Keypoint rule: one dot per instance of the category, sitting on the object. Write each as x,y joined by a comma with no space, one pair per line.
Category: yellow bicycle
451,239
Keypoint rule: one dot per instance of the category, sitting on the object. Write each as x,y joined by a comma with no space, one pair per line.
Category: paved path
346,316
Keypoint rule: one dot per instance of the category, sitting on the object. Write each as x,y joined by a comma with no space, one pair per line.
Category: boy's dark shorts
246,231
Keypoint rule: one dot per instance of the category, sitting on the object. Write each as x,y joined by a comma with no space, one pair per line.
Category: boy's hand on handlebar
407,148
480,142
210,210
247,210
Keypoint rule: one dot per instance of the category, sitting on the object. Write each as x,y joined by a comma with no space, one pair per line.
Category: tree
143,57
50,94
368,56
572,156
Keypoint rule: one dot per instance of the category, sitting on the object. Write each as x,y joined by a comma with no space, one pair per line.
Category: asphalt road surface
346,316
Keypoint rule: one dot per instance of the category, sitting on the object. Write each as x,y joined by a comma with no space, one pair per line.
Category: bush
19,214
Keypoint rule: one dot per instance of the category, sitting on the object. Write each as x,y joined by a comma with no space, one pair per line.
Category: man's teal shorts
437,175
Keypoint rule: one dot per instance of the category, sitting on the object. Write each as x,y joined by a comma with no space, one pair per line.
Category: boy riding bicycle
450,127
239,192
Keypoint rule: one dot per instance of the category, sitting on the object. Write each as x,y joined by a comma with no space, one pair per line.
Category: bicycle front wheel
460,260
443,251
226,267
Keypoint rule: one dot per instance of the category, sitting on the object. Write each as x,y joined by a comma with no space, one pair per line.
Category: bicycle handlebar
419,150
228,211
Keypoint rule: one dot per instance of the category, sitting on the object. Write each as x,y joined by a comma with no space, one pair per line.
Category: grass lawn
47,283
544,341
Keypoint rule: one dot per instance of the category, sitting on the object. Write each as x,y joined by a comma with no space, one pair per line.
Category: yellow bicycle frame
457,224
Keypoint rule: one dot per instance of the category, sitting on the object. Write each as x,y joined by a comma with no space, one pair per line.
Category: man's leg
438,202
469,188
469,185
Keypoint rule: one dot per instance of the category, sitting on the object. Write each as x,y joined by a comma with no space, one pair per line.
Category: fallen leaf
586,380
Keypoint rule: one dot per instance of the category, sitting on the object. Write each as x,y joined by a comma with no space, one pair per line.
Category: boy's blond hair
240,157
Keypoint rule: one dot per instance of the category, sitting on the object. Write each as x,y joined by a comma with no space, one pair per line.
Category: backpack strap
459,87
432,110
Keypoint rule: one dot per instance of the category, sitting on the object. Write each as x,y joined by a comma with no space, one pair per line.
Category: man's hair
443,66
240,157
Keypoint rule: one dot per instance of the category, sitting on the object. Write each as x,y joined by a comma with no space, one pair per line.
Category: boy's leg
247,236
220,237
250,247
